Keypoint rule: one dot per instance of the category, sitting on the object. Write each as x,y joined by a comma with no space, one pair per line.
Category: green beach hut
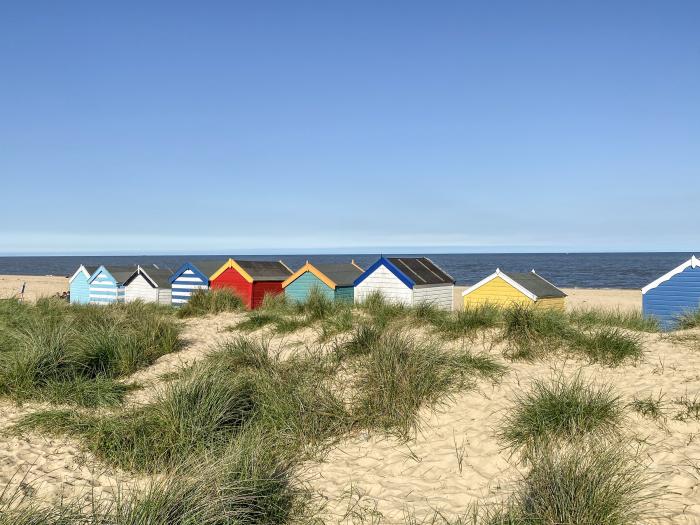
334,280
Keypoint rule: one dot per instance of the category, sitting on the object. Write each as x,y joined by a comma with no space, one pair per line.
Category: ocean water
584,270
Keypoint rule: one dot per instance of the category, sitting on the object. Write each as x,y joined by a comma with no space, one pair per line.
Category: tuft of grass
592,318
689,320
364,338
467,321
75,354
690,408
400,375
610,346
562,410
206,302
595,484
256,320
382,311
650,406
428,312
531,331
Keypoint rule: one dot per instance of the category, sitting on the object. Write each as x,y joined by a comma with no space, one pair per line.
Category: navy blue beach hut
673,294
192,276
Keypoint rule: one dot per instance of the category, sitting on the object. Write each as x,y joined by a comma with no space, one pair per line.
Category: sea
568,270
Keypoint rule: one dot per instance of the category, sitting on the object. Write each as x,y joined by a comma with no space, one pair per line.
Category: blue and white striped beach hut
107,284
192,276
78,285
673,294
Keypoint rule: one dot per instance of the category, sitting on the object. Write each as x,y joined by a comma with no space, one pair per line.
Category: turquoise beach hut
78,285
335,281
107,284
673,294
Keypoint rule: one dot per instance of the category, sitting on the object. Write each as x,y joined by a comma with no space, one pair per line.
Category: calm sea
586,270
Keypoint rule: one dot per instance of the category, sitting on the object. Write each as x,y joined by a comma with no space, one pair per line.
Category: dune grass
530,332
689,320
562,410
650,406
607,345
206,302
398,375
584,484
466,322
595,318
60,353
238,391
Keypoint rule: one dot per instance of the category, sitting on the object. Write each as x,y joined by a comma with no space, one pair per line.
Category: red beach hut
251,280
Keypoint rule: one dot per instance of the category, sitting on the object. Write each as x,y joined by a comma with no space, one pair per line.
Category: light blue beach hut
192,276
107,284
673,294
78,285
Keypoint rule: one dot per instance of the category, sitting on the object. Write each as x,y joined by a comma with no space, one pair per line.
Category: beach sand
36,286
371,473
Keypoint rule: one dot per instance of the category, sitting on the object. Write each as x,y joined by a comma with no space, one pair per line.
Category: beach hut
251,280
336,281
78,285
505,289
673,294
150,285
106,284
407,280
192,276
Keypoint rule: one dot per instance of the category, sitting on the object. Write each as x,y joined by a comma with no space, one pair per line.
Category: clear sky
221,127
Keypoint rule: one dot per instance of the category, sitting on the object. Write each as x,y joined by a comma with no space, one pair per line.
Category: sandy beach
35,286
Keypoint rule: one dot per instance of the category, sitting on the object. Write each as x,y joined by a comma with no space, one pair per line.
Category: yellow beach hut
505,289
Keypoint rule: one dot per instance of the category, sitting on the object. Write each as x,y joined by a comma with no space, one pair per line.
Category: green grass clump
591,318
690,408
579,485
607,345
75,354
399,375
238,392
689,320
468,321
650,406
531,331
382,311
206,302
563,410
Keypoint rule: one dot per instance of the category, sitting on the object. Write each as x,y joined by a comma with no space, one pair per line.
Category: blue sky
224,127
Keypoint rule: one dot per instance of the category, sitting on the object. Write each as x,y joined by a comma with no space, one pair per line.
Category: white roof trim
693,262
499,273
80,270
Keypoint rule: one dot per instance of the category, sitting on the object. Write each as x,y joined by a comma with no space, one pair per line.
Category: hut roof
158,276
120,273
412,271
208,267
421,270
693,262
256,270
529,283
89,269
332,274
265,270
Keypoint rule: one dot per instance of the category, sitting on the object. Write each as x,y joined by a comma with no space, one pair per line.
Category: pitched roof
332,274
421,270
207,267
265,270
529,283
693,262
89,269
160,276
120,273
